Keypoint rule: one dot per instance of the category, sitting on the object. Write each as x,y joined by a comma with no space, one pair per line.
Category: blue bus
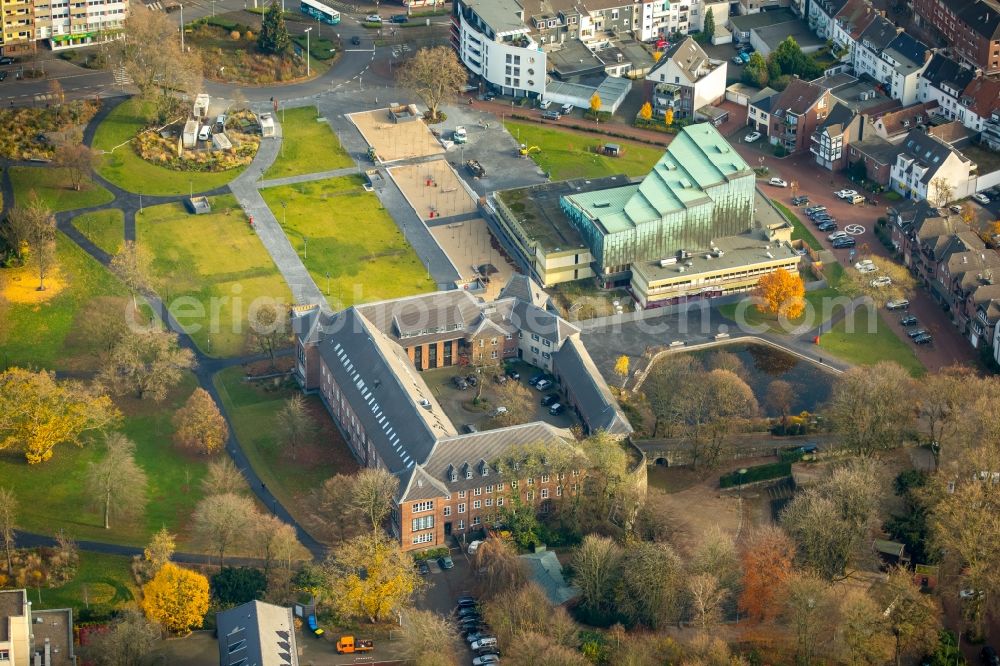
320,12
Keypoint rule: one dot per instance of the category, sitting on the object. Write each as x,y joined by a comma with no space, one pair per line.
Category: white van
544,103
899,304
205,133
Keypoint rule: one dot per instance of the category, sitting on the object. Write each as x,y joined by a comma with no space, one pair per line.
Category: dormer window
484,468
452,473
467,468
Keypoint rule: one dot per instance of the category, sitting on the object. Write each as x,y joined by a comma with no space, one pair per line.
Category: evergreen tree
708,30
273,36
755,73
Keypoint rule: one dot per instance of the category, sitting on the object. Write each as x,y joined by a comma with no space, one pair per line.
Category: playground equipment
525,150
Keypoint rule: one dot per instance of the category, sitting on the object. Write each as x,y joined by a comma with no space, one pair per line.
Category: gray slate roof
263,634
547,572
929,151
579,373
526,289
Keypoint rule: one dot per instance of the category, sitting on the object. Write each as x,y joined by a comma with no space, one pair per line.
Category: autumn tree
518,400
595,103
429,639
338,515
277,542
780,396
668,404
151,56
76,159
176,598
116,482
435,75
296,425
870,407
608,490
721,359
668,117
39,412
34,226
498,568
863,633
127,640
766,558
943,190
270,328
874,286
726,402
809,609
621,368
221,522
8,523
133,266
199,425
597,568
716,554
652,582
781,293
646,112
223,476
273,37
527,610
912,618
373,493
369,577
942,400
158,552
146,364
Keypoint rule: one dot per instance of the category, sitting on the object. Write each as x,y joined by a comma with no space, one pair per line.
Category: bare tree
863,631
706,600
498,568
944,192
34,225
338,515
76,159
116,482
528,610
221,522
652,581
295,424
779,397
159,551
912,618
942,401
809,610
222,477
429,639
435,74
200,425
133,266
127,640
596,571
270,328
373,493
147,364
276,541
8,523
716,555
103,323
871,408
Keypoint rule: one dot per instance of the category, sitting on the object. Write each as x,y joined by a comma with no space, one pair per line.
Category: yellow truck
350,645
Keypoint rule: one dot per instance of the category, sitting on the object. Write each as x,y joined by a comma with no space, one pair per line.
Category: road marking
854,229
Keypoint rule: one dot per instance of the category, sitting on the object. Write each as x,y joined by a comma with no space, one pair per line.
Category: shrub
756,473
235,35
249,35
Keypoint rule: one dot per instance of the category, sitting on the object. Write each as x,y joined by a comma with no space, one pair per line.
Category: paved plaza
469,245
394,141
433,189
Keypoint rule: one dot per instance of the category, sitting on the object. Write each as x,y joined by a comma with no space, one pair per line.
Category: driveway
445,587
819,185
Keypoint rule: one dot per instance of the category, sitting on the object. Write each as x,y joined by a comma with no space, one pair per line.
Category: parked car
500,379
467,611
535,379
3,75
897,304
908,320
881,281
513,374
373,18
489,641
400,18
6,60
499,411
205,133
543,384
751,137
800,200
557,409
842,243
469,429
472,379
815,209
423,568
865,265
551,115
916,333
923,339
445,562
981,198
544,104
777,182
736,60
489,96
355,40
460,382
843,194
486,660
828,225
837,234
566,109
467,600
471,550
477,636
549,399
989,656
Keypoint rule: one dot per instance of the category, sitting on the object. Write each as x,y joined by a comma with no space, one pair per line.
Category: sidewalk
305,178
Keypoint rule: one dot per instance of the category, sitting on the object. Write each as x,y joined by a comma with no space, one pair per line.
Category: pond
764,364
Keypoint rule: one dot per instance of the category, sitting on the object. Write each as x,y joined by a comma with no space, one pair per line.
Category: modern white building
891,57
943,81
923,161
493,41
661,18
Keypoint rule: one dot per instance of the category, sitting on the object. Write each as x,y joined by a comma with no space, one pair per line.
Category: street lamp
328,283
182,27
284,217
741,472
305,249
308,30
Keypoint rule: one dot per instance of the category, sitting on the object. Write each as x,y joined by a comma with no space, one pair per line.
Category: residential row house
971,28
661,18
685,79
955,266
929,169
365,363
795,113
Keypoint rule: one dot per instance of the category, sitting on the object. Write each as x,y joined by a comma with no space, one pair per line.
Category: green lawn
101,582
307,146
127,170
342,231
801,231
818,310
52,186
104,228
253,409
216,263
51,494
866,348
568,154
37,334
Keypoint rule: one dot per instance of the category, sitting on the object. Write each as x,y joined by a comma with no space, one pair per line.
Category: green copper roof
698,158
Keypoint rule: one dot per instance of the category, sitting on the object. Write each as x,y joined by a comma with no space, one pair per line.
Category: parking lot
459,407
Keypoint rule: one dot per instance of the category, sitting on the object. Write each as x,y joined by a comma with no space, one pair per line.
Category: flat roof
504,16
574,59
56,627
773,35
745,250
748,22
538,211
11,605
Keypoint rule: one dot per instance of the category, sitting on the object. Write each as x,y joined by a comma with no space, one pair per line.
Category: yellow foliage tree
621,368
781,292
199,424
668,117
657,55
388,582
595,103
37,412
176,598
646,112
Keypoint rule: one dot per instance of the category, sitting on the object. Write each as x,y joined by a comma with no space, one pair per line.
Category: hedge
791,455
756,473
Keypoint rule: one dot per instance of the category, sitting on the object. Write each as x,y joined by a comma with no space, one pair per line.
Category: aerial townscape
526,332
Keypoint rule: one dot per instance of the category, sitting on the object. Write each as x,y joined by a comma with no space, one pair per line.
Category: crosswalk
154,6
121,77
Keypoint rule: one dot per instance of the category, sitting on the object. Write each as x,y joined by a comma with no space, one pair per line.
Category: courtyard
469,245
433,190
395,141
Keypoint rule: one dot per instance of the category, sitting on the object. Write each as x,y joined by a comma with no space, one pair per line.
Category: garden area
53,187
307,145
569,154
347,240
164,146
211,269
104,228
821,305
853,342
253,410
800,231
39,129
231,51
122,165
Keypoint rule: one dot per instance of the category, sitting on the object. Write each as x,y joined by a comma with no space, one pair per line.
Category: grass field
342,231
102,581
216,263
307,146
127,170
52,187
567,154
801,231
36,334
104,228
866,348
51,494
817,311
252,409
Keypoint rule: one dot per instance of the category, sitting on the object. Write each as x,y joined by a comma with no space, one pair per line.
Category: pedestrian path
301,284
305,178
